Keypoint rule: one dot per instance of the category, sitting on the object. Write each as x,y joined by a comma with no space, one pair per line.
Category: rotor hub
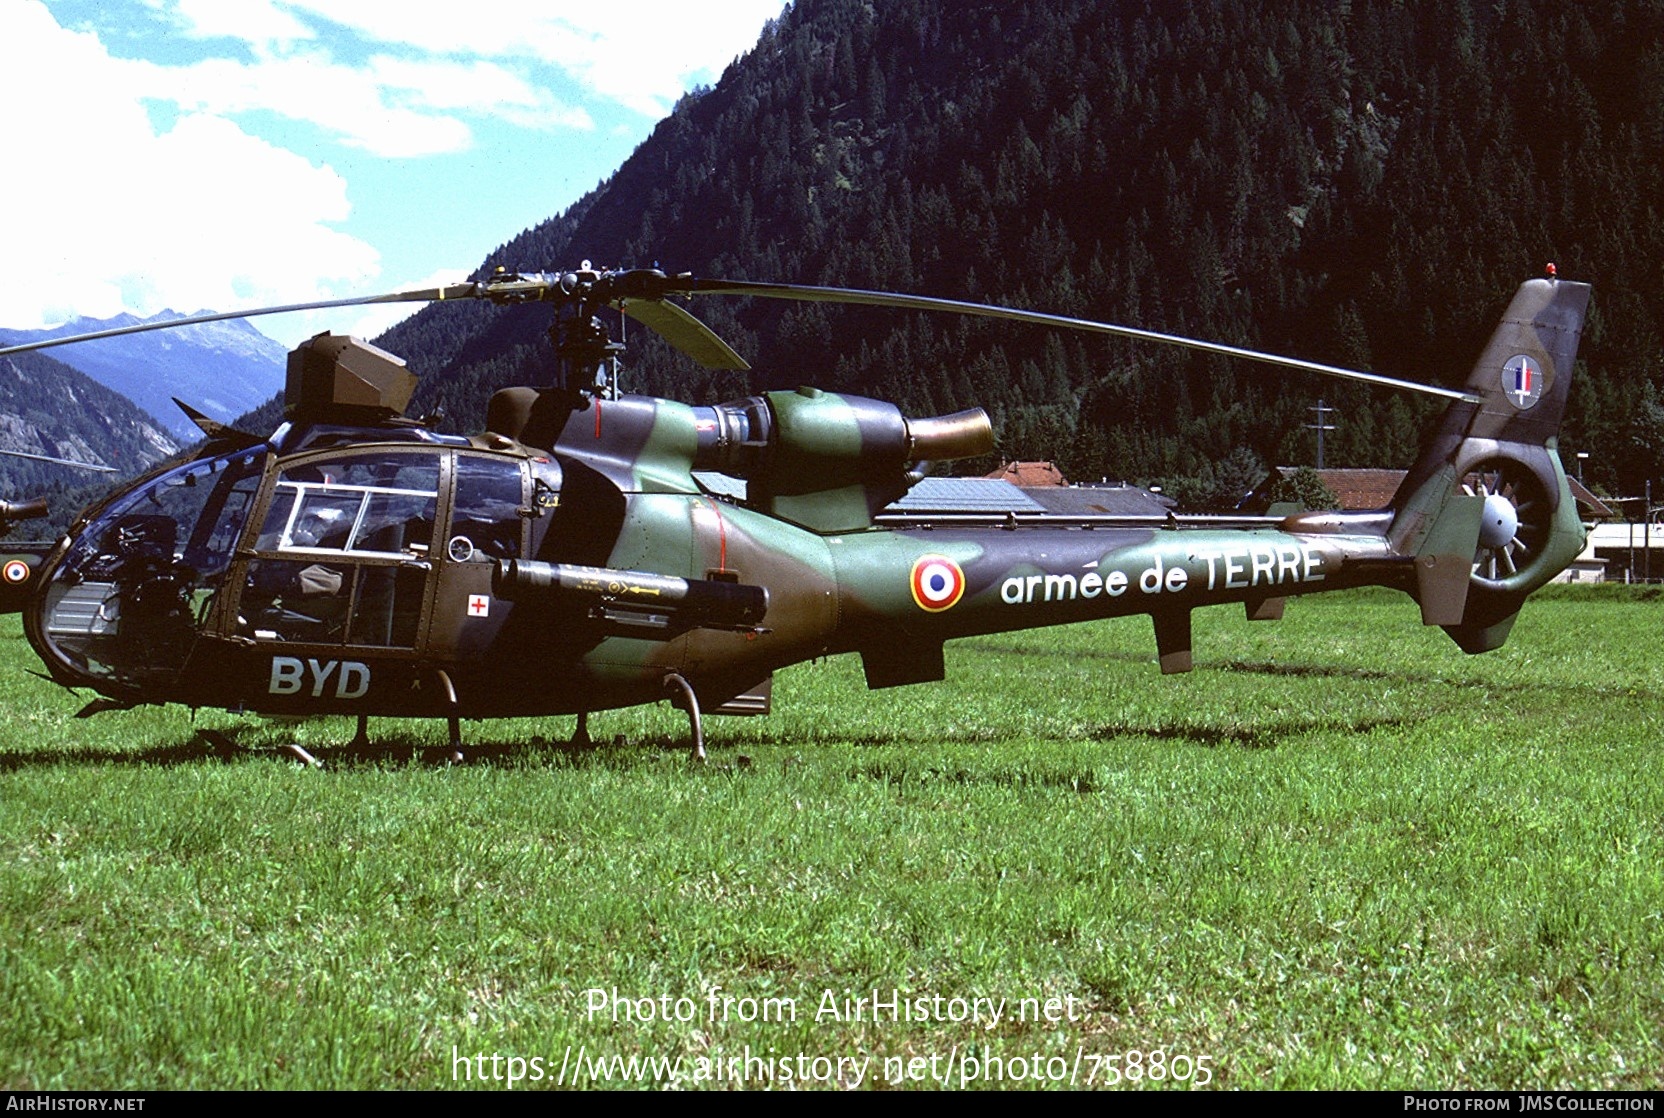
1500,523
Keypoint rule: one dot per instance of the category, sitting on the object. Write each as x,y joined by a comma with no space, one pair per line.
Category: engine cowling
828,461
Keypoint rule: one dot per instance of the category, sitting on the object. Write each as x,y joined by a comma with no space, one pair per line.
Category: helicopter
573,557
18,561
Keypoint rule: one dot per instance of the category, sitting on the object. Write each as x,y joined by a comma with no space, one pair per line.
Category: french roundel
1523,381
17,571
937,583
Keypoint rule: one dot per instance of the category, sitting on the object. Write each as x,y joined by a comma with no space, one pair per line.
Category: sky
220,154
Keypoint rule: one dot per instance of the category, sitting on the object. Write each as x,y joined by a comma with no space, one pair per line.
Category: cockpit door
344,553
487,520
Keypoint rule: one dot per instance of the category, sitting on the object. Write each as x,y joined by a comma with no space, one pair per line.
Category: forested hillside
220,368
1349,182
48,408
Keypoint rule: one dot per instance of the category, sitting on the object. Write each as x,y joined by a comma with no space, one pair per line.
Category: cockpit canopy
125,601
326,547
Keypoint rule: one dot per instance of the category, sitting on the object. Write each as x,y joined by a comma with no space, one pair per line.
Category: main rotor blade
685,332
640,293
803,293
60,461
424,295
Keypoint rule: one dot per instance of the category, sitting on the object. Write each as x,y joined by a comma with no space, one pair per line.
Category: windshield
127,599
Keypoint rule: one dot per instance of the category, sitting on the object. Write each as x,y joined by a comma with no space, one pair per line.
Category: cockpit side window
342,555
375,504
486,521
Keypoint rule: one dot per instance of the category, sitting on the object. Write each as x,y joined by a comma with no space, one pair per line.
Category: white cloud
643,54
261,23
390,106
437,69
475,86
396,107
104,212
134,184
609,51
307,86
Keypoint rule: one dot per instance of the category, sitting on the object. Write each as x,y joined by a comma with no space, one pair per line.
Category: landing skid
680,690
224,746
682,696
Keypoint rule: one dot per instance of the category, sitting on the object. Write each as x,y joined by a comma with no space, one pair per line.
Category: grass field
1338,854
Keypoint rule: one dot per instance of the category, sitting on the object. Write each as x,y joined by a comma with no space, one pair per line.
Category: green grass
1338,854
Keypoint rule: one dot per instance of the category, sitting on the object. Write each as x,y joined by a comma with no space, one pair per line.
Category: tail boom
1482,519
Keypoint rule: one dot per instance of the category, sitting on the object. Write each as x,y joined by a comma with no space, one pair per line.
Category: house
1029,475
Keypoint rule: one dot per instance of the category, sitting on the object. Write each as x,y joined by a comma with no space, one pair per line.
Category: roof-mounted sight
337,379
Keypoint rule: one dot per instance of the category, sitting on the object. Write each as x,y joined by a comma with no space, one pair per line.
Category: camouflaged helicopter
570,559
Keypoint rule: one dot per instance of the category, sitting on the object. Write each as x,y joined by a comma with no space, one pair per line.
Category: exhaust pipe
944,438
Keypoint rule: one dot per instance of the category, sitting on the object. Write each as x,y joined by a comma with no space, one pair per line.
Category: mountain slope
48,408
1363,184
222,368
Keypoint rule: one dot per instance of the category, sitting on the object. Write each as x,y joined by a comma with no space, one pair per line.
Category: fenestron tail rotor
642,293
1516,522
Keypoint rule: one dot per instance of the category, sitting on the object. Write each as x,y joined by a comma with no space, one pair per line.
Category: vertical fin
1492,469
1444,565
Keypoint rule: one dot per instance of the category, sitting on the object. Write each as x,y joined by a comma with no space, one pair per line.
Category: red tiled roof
1029,474
1373,489
1362,489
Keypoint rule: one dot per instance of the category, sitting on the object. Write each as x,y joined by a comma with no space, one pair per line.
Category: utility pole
1629,504
1321,426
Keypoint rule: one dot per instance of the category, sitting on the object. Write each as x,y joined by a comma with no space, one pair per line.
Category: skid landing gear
225,747
453,720
299,753
682,690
